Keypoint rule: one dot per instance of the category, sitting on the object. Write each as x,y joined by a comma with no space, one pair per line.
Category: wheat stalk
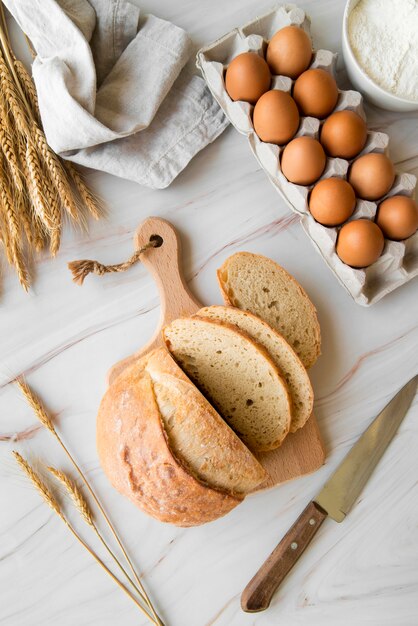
75,494
14,241
55,232
36,405
90,200
13,98
45,492
86,513
40,184
28,87
53,503
35,184
32,227
29,209
8,146
42,415
57,173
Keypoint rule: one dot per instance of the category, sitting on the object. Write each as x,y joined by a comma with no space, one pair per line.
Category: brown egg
303,161
372,175
315,93
360,243
332,201
344,134
247,77
289,52
398,217
276,117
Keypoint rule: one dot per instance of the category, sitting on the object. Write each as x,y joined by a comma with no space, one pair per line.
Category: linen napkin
112,93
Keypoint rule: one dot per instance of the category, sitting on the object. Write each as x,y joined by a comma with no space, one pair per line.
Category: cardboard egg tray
399,260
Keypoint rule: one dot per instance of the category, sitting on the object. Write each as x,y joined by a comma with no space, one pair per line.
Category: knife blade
335,499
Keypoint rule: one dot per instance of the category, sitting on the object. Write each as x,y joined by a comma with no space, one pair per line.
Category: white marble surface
64,338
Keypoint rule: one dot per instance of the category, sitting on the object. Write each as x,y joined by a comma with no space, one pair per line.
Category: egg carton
399,261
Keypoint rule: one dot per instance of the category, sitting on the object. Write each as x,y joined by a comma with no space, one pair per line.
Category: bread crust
136,457
263,259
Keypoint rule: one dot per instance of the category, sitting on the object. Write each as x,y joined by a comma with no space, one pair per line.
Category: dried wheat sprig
46,421
7,202
15,239
53,503
91,200
57,173
40,181
21,267
35,184
28,87
16,106
35,236
8,145
46,493
86,513
75,494
29,210
56,214
5,236
36,405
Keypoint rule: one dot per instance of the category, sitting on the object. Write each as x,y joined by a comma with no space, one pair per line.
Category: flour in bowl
383,35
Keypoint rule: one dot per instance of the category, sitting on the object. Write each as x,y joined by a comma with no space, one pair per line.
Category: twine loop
81,269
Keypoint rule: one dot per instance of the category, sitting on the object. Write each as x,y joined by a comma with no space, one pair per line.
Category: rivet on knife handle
260,590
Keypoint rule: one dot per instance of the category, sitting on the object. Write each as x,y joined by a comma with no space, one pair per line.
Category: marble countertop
64,339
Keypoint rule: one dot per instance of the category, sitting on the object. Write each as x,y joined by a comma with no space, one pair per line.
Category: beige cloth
111,90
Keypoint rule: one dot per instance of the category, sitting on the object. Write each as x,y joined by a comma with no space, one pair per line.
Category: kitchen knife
334,500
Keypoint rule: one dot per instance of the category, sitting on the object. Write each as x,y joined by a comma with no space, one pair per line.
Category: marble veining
65,338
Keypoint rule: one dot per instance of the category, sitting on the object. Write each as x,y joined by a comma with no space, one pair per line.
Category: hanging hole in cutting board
157,240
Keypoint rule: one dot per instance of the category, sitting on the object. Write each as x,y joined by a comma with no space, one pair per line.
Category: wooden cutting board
301,452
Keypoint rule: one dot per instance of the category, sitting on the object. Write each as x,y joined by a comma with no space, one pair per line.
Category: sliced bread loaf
134,454
237,375
282,354
257,284
163,446
197,434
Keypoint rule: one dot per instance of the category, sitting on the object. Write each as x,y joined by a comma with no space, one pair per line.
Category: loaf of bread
237,375
164,446
257,284
160,439
280,351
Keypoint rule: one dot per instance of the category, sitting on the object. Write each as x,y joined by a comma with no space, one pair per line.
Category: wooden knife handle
258,593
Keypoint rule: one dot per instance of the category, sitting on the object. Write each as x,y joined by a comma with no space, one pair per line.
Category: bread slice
154,467
257,284
280,351
197,434
237,375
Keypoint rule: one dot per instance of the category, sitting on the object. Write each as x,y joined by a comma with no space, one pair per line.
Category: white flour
384,37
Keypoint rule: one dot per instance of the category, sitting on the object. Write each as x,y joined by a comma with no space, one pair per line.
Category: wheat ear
86,513
91,200
35,184
27,86
13,97
52,502
43,417
15,240
8,146
36,405
75,494
46,493
57,173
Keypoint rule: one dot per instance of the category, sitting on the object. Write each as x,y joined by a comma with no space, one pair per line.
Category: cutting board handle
164,263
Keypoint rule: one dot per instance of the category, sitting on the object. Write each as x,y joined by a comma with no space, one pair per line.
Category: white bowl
362,82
